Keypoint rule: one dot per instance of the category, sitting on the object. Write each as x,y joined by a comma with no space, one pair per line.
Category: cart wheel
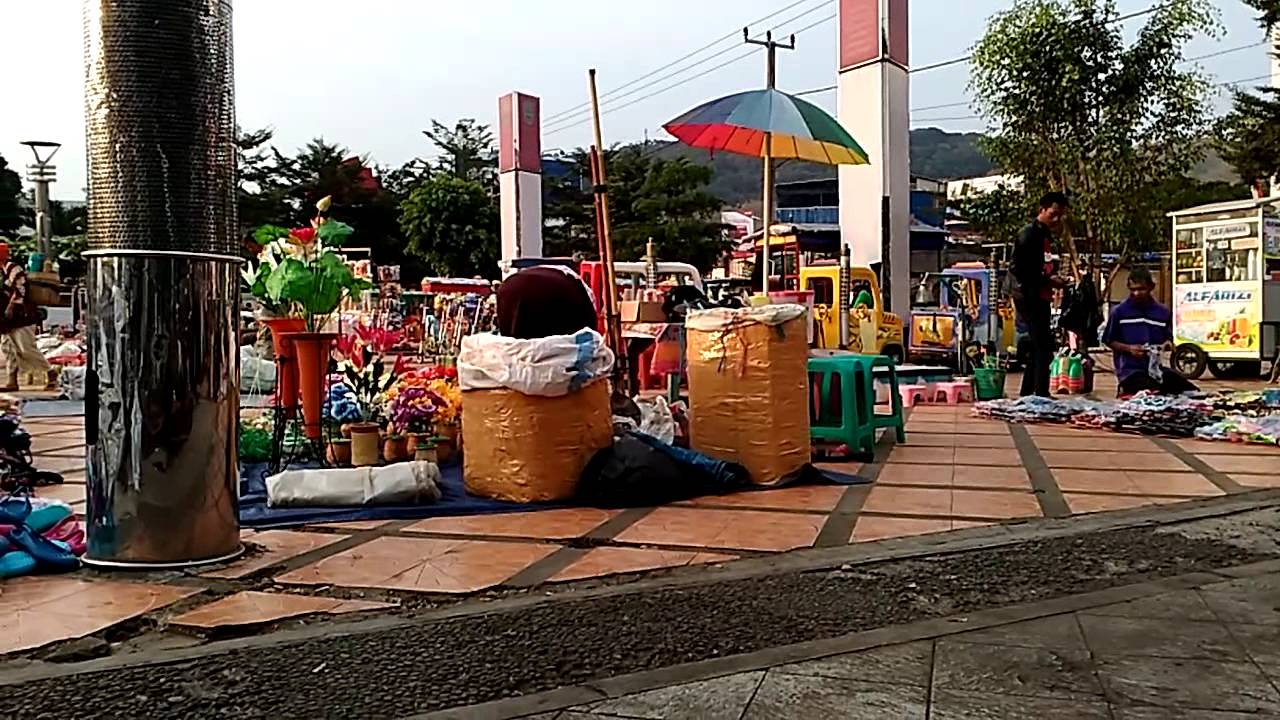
1190,361
894,353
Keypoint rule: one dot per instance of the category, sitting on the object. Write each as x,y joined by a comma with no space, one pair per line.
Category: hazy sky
370,74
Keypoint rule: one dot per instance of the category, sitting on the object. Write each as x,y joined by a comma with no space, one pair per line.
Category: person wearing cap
17,338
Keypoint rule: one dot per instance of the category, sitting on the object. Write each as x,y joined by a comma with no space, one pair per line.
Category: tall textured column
872,92
162,405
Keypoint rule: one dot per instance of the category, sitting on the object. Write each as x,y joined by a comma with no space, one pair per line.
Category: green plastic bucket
988,383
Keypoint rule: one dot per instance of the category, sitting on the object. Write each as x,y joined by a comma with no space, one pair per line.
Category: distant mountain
935,154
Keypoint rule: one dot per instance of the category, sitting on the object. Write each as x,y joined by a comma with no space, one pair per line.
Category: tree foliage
1248,138
997,214
466,150
10,199
1073,106
666,200
452,223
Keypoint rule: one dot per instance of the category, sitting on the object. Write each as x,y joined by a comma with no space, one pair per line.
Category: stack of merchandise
1035,409
38,536
1239,428
1151,414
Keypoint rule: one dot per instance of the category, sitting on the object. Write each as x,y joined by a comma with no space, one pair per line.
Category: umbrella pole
768,208
613,323
771,47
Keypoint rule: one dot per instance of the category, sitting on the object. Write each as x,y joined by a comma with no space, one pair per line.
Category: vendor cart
966,317
1226,295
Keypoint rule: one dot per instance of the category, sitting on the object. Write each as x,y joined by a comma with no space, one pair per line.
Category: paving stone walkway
1208,653
953,472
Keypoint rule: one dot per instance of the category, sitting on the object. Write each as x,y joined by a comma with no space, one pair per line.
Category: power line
967,58
677,61
679,83
679,71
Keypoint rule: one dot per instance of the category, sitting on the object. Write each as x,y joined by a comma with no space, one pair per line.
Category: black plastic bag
638,471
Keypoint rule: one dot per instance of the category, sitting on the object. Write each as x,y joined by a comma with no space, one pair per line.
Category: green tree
260,190
568,211
666,200
1074,106
1248,137
10,199
452,223
466,150
997,214
672,206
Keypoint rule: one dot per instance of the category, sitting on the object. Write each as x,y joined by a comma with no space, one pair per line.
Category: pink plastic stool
953,393
911,393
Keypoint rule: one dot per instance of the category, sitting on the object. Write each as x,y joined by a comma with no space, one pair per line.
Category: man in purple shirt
1137,327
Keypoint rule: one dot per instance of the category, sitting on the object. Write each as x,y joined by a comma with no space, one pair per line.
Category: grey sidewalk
1210,653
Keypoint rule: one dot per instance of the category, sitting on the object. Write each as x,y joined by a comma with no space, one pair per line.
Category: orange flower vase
312,353
286,362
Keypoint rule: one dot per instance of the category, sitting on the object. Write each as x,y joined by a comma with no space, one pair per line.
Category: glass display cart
1226,294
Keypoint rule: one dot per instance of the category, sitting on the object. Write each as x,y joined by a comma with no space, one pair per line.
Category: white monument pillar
872,103
520,176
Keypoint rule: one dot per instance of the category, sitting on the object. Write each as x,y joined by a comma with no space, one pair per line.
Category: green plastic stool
854,422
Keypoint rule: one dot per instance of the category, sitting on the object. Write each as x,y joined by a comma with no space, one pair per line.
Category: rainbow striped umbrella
741,124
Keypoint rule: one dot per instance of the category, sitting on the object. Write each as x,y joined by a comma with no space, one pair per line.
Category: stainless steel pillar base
162,408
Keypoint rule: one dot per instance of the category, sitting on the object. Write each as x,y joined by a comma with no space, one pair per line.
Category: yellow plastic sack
749,388
526,448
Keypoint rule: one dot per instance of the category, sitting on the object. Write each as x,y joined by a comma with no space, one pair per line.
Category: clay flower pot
286,363
312,351
396,449
364,444
339,452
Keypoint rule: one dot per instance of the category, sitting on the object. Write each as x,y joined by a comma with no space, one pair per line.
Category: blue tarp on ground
455,501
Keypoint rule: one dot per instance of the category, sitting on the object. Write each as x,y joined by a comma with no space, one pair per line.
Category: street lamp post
40,174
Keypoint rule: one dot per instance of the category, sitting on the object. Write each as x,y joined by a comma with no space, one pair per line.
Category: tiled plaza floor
954,472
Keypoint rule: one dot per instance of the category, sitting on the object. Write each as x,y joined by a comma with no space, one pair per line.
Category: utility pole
771,47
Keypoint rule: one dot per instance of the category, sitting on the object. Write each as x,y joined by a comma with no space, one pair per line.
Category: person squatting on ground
1033,284
1137,330
17,338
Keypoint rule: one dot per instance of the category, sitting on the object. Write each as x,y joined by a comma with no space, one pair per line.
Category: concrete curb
615,687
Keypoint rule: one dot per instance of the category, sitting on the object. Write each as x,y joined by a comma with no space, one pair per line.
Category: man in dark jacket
1034,283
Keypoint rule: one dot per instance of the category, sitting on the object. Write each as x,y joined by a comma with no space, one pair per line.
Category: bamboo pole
609,299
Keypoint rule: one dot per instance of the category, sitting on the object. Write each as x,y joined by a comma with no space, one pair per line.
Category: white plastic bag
399,484
549,367
656,419
256,374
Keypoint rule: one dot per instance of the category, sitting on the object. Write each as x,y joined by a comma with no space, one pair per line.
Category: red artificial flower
302,236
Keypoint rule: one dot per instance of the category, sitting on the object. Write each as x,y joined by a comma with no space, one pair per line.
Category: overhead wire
704,73
612,95
967,58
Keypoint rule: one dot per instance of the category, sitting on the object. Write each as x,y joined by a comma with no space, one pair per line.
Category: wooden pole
609,301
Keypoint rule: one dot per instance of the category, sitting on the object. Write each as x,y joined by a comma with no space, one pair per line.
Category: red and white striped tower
520,176
873,91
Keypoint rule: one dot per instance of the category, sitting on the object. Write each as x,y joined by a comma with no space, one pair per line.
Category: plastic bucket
988,383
